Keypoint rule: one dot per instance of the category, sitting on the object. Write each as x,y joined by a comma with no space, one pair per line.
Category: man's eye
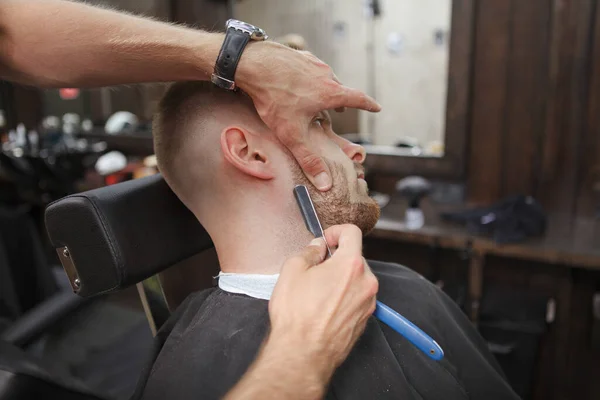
319,122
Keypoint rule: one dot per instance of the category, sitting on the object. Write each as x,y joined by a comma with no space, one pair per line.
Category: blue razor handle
410,331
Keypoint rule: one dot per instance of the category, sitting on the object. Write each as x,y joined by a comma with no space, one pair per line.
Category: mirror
397,51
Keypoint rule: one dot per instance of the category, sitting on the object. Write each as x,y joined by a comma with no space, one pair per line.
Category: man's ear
243,151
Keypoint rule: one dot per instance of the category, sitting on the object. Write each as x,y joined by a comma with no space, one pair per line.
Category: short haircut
184,114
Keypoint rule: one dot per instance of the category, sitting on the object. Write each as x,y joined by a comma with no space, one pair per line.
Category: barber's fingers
335,78
310,256
372,285
347,238
307,53
369,309
313,166
352,98
343,96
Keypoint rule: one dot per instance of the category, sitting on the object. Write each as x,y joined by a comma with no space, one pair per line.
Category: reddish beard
334,207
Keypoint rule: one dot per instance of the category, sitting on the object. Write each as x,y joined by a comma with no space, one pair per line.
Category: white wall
411,85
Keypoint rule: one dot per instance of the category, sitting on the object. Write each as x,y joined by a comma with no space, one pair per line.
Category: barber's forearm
58,43
284,369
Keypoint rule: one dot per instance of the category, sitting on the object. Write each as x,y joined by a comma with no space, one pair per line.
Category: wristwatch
237,36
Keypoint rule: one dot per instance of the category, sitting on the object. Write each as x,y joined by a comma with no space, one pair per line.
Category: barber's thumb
314,253
317,171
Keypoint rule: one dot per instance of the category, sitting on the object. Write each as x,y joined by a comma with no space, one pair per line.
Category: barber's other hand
321,308
288,88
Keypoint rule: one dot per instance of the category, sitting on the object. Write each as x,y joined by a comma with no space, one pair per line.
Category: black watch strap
229,57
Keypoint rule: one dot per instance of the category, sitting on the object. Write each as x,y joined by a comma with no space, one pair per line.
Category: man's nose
355,152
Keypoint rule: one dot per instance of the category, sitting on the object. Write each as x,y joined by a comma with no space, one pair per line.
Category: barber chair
107,239
126,234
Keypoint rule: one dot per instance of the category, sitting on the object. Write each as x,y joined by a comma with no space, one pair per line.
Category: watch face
255,32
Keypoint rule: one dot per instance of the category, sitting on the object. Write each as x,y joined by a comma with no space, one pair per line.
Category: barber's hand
288,88
321,308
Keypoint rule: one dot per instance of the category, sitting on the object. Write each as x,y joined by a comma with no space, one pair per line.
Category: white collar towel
253,285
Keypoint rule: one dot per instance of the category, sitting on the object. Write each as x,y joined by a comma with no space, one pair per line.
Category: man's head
219,157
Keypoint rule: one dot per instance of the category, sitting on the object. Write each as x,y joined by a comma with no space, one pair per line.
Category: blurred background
485,160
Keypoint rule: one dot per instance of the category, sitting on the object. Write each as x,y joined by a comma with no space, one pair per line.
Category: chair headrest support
116,236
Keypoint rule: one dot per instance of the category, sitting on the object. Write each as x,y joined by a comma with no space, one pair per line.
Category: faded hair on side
183,115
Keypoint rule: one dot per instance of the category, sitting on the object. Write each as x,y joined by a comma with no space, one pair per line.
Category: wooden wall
535,120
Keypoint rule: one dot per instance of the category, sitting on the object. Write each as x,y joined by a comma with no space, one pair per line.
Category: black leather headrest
119,235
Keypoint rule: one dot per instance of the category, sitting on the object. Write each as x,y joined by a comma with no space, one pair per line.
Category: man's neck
260,243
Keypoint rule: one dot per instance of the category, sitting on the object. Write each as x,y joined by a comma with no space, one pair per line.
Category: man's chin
363,214
366,215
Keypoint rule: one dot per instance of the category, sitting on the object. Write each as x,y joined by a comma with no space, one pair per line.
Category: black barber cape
214,336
